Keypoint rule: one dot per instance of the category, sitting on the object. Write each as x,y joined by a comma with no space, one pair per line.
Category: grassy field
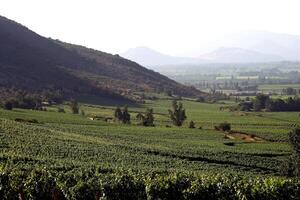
64,139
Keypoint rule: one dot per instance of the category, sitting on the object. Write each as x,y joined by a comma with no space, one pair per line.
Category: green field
73,157
62,139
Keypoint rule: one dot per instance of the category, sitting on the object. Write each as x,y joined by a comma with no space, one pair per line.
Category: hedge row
90,184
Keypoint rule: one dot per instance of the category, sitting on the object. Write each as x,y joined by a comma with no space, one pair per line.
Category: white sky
176,27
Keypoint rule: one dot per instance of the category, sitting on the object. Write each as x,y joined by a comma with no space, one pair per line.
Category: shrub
225,126
61,110
8,105
147,119
192,124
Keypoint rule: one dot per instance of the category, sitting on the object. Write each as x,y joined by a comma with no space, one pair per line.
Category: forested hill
31,62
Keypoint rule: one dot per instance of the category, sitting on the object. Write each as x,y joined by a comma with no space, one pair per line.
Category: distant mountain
283,45
238,55
149,57
248,46
31,62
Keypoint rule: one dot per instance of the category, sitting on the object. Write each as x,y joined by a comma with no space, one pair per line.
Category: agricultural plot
46,153
67,139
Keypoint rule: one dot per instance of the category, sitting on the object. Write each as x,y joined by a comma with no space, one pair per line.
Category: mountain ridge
32,62
268,47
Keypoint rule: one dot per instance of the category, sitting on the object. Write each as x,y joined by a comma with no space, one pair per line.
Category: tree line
176,113
264,102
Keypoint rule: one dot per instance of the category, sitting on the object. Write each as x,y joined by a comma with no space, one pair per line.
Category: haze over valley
149,100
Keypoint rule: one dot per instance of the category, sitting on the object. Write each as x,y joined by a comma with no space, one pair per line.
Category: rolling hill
34,63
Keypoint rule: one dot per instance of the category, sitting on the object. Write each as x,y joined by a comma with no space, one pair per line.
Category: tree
8,105
177,114
192,124
125,116
260,102
147,119
289,91
118,114
74,107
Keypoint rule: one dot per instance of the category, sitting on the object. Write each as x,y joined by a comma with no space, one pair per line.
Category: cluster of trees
146,119
264,102
122,115
14,98
26,101
290,91
177,115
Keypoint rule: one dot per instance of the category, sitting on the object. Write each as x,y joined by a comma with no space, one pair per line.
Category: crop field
76,147
67,139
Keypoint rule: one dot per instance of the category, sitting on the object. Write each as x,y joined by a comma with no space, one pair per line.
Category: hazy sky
170,26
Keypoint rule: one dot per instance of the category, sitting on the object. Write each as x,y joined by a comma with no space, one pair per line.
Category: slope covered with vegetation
31,62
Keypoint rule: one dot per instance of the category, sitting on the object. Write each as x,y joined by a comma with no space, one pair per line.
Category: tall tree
118,114
126,116
74,107
177,113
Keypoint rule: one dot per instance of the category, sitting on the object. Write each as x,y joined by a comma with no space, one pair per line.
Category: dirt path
243,136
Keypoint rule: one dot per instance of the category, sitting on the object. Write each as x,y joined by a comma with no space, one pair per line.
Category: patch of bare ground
243,136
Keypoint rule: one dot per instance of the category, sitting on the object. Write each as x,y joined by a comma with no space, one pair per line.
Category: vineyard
67,156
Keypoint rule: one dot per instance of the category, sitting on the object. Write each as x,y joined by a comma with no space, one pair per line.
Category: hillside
34,63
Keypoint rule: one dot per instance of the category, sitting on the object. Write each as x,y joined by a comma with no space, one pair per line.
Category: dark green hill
34,63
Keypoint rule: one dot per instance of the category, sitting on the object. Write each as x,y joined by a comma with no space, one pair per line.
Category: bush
61,110
107,185
225,126
192,124
8,105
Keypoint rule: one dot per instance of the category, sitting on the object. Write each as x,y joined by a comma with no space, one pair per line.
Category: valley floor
65,139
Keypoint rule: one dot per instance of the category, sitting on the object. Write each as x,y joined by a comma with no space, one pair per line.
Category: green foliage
292,167
147,119
61,110
192,124
89,184
118,114
294,139
74,107
177,114
125,116
225,126
8,105
122,115
260,102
